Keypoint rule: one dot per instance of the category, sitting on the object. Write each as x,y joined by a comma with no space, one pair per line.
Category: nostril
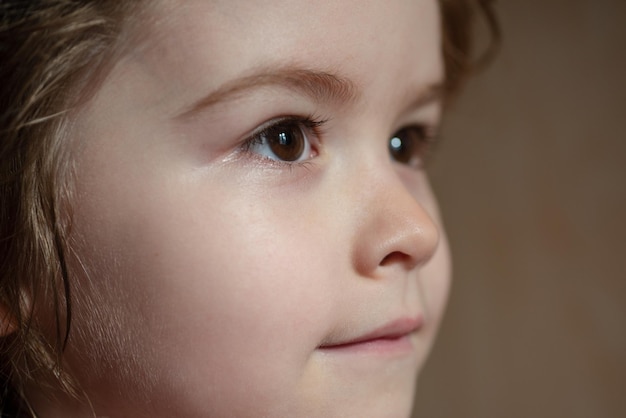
396,257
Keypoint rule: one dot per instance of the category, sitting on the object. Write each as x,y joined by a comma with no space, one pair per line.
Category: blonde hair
52,54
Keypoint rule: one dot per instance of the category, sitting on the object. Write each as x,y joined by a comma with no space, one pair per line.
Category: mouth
393,338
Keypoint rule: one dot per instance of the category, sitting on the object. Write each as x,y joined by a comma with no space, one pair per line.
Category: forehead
205,43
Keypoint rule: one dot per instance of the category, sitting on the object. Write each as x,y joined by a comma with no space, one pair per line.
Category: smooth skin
215,279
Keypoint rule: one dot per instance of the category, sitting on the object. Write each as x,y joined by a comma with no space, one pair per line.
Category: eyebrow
321,86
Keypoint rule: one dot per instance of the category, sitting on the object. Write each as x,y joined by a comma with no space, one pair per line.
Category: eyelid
428,139
312,127
309,122
432,139
431,132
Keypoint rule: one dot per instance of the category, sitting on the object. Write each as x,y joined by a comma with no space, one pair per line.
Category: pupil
396,143
287,143
400,149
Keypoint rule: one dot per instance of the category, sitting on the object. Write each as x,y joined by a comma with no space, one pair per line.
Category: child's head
219,208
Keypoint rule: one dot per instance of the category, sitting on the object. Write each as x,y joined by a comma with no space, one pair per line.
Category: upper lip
392,330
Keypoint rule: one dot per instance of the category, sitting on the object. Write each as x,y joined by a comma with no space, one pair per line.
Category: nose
395,229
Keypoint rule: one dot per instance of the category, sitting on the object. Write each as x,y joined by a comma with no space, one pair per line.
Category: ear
7,322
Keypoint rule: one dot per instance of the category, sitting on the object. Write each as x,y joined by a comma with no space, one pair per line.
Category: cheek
436,275
436,281
193,288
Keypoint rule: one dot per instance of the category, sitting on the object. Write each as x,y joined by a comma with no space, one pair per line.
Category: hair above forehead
52,55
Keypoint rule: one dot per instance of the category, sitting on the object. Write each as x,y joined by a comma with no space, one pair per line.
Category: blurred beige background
532,180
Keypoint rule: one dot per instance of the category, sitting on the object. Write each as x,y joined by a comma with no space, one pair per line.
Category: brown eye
286,140
409,145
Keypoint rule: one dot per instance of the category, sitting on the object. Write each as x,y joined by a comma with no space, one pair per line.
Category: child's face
222,280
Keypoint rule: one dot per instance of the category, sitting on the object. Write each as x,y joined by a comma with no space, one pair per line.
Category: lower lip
382,346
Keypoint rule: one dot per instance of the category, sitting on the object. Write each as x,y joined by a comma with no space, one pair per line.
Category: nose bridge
394,227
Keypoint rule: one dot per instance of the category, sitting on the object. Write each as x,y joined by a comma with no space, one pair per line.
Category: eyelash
420,150
311,127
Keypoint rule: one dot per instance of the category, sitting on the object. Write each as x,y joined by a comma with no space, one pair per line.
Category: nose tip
410,248
397,231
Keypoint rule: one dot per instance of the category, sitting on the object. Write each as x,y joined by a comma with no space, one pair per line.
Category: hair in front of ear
459,39
52,53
